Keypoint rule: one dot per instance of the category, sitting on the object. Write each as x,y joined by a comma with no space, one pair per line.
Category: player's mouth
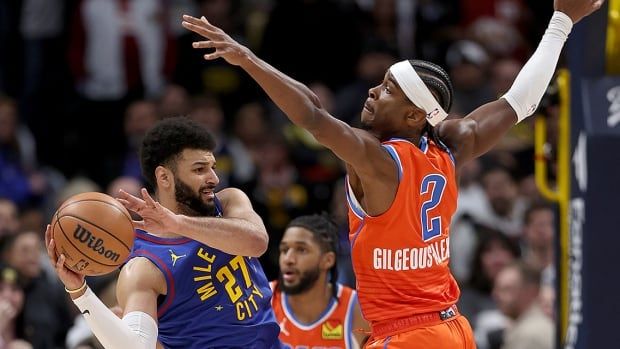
368,107
208,193
289,275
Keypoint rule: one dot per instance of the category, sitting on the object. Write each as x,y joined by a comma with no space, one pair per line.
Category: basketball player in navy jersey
192,280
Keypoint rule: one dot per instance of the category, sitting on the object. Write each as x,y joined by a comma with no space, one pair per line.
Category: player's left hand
155,217
225,47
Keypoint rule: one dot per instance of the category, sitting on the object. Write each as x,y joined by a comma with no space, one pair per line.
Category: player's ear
415,116
328,260
164,177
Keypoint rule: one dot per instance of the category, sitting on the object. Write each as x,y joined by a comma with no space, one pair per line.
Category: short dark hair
163,143
536,206
325,232
529,274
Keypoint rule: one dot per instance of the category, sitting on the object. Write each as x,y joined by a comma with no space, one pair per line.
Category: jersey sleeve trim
392,151
161,309
352,201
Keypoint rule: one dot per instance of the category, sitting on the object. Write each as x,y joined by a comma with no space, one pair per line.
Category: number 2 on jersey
431,225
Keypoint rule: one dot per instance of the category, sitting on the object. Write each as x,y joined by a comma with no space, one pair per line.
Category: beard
307,279
190,203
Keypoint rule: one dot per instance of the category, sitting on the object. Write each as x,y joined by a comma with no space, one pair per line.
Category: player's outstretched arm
137,294
296,100
240,232
479,131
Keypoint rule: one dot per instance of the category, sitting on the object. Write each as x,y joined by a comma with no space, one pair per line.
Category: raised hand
577,9
70,279
155,217
225,47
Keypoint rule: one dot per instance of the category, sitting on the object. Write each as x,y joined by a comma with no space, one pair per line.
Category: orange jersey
333,330
401,257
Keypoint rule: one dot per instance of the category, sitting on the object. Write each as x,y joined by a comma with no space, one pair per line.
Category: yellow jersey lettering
234,291
206,291
240,314
257,292
205,255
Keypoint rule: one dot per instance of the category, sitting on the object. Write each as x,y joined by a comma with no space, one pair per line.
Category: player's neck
309,305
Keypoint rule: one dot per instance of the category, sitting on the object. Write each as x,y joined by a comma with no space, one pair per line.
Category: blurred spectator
117,54
339,213
249,131
118,48
539,232
467,64
504,209
174,102
9,217
318,167
493,253
303,57
376,57
276,196
19,179
516,291
11,309
208,112
436,28
225,83
46,318
129,185
463,235
140,116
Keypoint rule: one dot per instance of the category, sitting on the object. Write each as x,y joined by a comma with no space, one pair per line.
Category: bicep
138,287
238,205
478,132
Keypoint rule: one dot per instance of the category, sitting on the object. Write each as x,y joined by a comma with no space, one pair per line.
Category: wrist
78,291
563,18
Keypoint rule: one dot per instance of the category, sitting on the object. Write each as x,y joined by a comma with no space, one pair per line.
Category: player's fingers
212,56
48,235
201,22
51,251
147,198
60,263
209,34
139,224
211,44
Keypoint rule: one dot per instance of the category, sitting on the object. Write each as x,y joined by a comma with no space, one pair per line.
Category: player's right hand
577,9
70,279
225,47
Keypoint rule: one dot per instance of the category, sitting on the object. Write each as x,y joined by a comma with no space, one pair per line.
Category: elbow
260,243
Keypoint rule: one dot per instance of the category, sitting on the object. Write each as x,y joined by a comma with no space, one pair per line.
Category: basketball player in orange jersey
191,281
402,174
312,308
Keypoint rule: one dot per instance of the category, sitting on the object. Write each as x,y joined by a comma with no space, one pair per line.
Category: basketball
94,232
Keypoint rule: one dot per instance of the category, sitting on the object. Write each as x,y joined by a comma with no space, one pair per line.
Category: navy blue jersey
214,299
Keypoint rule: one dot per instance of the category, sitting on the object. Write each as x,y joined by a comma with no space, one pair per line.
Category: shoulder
141,274
229,195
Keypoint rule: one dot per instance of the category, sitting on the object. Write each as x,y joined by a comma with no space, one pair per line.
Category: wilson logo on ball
84,236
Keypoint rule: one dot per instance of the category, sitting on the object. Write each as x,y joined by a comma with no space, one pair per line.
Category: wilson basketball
94,232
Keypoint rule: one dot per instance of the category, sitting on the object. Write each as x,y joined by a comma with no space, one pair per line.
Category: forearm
234,236
296,100
531,83
136,330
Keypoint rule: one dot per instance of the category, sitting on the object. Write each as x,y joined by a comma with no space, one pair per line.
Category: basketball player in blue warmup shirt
192,280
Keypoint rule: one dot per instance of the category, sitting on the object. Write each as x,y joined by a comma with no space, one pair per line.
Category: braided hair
438,82
325,232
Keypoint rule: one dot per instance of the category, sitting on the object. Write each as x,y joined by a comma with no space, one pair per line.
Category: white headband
417,92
